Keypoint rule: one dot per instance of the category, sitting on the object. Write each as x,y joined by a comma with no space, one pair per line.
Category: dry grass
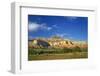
75,55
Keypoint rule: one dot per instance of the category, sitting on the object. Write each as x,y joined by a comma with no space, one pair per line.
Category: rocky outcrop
55,43
39,44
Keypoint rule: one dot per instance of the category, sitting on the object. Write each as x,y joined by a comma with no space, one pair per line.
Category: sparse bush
40,51
77,49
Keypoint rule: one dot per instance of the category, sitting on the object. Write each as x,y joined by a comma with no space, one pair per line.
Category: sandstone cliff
56,43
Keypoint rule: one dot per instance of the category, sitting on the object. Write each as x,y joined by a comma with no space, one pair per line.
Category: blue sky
67,27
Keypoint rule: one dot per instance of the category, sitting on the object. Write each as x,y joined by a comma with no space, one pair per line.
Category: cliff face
61,44
56,43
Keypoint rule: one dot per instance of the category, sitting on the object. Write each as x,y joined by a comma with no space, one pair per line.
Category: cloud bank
35,26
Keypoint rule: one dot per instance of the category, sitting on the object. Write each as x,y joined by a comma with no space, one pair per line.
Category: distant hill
56,42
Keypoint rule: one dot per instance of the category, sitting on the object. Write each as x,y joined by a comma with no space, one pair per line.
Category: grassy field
52,54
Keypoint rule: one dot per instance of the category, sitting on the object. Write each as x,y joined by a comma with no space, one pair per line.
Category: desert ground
56,48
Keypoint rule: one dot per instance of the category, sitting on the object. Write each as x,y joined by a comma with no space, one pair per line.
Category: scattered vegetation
56,48
56,53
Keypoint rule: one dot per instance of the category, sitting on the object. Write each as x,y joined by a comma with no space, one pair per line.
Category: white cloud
45,27
61,35
36,26
55,26
49,28
33,26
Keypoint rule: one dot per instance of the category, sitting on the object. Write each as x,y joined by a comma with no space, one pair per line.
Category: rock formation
55,43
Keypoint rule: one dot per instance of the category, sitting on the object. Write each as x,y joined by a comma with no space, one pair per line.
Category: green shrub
39,51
